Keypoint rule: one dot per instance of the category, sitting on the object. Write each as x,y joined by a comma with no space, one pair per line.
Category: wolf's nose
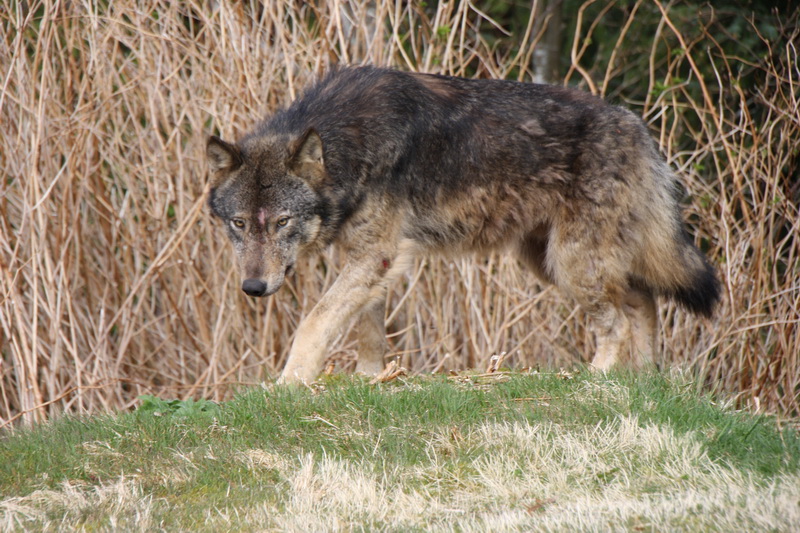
254,287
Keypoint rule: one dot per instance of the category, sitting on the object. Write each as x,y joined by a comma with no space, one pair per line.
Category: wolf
390,165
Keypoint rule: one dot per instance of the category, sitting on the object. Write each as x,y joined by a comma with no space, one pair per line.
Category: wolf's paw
297,376
369,368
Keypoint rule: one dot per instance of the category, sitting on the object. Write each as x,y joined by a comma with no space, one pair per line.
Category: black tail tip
702,295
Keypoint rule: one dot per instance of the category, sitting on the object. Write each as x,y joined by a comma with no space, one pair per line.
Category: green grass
508,452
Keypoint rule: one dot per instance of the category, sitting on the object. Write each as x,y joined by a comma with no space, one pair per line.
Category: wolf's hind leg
640,306
588,265
612,331
372,345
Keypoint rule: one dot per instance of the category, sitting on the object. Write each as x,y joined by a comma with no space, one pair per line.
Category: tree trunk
546,56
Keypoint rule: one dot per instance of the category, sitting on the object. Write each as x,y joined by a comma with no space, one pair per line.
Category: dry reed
115,282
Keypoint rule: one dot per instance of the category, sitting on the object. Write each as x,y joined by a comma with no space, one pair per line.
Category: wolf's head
264,189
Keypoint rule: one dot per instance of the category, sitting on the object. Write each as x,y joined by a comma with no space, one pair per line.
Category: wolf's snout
254,287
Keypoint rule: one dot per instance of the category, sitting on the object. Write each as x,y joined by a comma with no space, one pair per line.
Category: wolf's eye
281,222
237,223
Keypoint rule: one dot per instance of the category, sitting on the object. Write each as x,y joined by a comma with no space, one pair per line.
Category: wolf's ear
305,157
222,156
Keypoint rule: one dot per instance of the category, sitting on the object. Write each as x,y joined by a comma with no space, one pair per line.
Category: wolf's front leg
357,285
372,346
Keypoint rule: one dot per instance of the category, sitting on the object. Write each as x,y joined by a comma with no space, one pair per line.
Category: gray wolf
389,165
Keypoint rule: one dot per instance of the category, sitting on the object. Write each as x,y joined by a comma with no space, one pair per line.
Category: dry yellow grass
114,281
533,477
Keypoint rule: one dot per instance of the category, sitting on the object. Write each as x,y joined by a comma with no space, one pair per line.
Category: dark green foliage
154,406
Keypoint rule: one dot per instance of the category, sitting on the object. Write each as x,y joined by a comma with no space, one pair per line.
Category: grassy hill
501,452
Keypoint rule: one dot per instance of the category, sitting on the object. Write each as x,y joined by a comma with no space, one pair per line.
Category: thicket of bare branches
115,282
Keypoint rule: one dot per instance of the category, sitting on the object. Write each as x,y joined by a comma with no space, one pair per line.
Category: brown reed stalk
112,273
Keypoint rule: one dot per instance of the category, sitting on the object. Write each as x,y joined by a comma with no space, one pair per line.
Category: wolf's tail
671,265
698,289
681,272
